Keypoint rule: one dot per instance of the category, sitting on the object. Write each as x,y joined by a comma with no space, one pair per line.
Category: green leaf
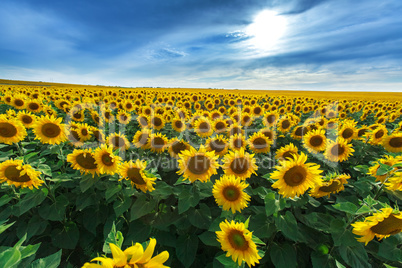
85,200
341,235
287,224
364,209
181,180
389,249
137,232
114,237
110,192
319,221
67,237
270,204
247,222
55,211
355,256
4,227
162,190
52,261
383,169
209,239
10,257
121,207
347,207
87,181
319,260
283,255
188,198
227,261
32,199
362,168
45,169
142,207
5,199
29,250
257,241
200,218
186,249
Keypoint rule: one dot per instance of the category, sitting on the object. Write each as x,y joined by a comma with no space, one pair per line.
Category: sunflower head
197,165
294,176
118,141
50,130
84,161
11,130
393,143
288,151
26,118
135,173
203,127
259,143
333,183
14,172
178,124
219,144
107,162
228,193
338,150
177,146
315,141
158,143
240,164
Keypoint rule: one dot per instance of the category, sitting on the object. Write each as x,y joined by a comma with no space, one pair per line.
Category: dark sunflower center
334,186
108,115
156,121
235,131
178,124
240,165
77,115
33,106
379,134
347,133
287,155
395,142
331,124
300,131
231,193
220,126
74,135
198,164
217,145
27,119
238,143
86,161
177,147
237,240
8,130
13,174
107,160
123,117
246,119
285,124
268,134
158,142
51,130
295,176
135,176
257,110
204,127
316,141
97,135
389,226
84,132
19,102
271,118
118,142
337,150
361,132
260,143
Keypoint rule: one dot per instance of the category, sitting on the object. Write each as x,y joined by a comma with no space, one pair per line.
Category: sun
266,30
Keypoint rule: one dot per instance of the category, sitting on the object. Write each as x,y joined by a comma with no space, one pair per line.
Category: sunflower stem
380,189
63,168
21,153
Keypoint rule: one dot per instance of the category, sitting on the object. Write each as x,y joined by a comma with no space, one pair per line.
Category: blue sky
235,44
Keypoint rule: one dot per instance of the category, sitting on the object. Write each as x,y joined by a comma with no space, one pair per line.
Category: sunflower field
152,177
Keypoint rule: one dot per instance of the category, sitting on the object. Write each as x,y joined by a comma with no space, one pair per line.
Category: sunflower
338,150
363,133
158,143
348,131
98,134
388,160
259,143
11,130
48,129
228,193
395,182
197,165
177,146
107,162
220,126
235,129
73,137
83,160
77,114
270,118
178,124
26,118
239,164
134,256
219,144
237,142
333,184
203,127
118,141
315,141
107,116
84,132
286,152
18,101
269,133
237,241
381,225
157,122
378,134
246,119
123,117
14,172
294,177
393,143
284,124
135,173
298,132
141,138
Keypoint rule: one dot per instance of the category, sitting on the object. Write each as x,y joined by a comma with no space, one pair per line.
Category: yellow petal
149,251
159,259
119,257
136,252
